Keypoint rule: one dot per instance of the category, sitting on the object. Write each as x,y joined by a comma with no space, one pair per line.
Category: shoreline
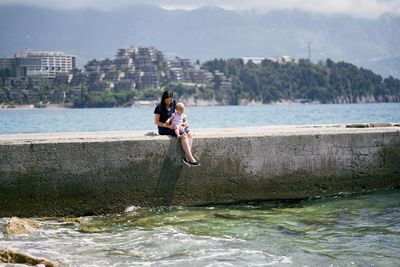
188,103
34,107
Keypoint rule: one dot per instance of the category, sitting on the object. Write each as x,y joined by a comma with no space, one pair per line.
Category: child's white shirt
178,119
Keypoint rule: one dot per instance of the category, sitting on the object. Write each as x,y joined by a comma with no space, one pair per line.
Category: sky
356,8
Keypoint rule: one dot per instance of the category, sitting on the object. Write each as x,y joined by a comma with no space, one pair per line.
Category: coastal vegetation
302,81
113,99
234,82
325,82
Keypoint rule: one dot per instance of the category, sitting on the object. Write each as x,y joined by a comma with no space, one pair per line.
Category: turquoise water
127,119
348,230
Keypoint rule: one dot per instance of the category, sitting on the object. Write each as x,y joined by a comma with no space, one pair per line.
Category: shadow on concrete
170,173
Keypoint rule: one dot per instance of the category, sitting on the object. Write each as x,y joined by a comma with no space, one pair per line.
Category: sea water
129,119
343,230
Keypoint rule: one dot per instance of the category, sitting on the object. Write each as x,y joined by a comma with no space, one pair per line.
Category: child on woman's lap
179,120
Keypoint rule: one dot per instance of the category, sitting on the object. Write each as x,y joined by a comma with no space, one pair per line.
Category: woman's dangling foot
196,163
186,161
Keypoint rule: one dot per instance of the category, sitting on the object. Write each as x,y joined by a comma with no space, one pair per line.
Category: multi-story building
63,78
124,63
8,63
30,97
282,59
112,76
94,78
3,96
258,60
77,92
177,74
101,86
126,52
201,76
36,82
46,63
149,80
79,78
16,96
20,84
178,62
92,66
146,52
124,85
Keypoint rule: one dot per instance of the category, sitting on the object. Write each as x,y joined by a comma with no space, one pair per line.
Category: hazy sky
359,8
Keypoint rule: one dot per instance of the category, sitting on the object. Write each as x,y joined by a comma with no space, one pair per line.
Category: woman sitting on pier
162,112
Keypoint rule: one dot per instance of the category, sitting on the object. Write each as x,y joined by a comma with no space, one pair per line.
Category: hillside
325,82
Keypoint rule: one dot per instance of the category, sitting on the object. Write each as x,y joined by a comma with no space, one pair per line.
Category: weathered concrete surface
95,173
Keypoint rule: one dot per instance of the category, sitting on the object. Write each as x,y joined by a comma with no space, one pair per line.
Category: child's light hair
180,106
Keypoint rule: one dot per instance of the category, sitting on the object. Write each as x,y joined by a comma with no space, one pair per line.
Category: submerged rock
131,254
89,229
21,226
8,255
71,220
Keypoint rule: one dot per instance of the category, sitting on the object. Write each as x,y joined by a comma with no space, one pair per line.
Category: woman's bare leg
187,149
190,137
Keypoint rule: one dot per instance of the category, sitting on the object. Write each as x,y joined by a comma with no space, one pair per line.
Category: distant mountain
205,33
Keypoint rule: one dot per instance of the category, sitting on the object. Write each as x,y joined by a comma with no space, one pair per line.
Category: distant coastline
193,102
137,76
31,106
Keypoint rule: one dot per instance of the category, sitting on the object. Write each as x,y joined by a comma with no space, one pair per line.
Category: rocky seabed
18,226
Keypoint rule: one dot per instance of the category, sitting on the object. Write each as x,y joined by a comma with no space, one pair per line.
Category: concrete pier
75,174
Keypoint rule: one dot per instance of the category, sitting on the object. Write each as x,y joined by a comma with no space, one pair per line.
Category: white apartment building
47,63
258,60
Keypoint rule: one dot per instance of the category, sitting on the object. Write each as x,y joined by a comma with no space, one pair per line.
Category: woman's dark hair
165,95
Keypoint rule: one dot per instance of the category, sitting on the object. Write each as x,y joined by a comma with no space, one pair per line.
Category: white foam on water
131,208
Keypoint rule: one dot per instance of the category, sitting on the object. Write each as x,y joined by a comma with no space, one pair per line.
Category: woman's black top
164,115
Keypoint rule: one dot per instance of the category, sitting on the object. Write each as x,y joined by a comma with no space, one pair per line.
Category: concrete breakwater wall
75,174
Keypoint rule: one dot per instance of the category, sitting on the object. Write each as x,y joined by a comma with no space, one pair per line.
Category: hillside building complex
46,63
